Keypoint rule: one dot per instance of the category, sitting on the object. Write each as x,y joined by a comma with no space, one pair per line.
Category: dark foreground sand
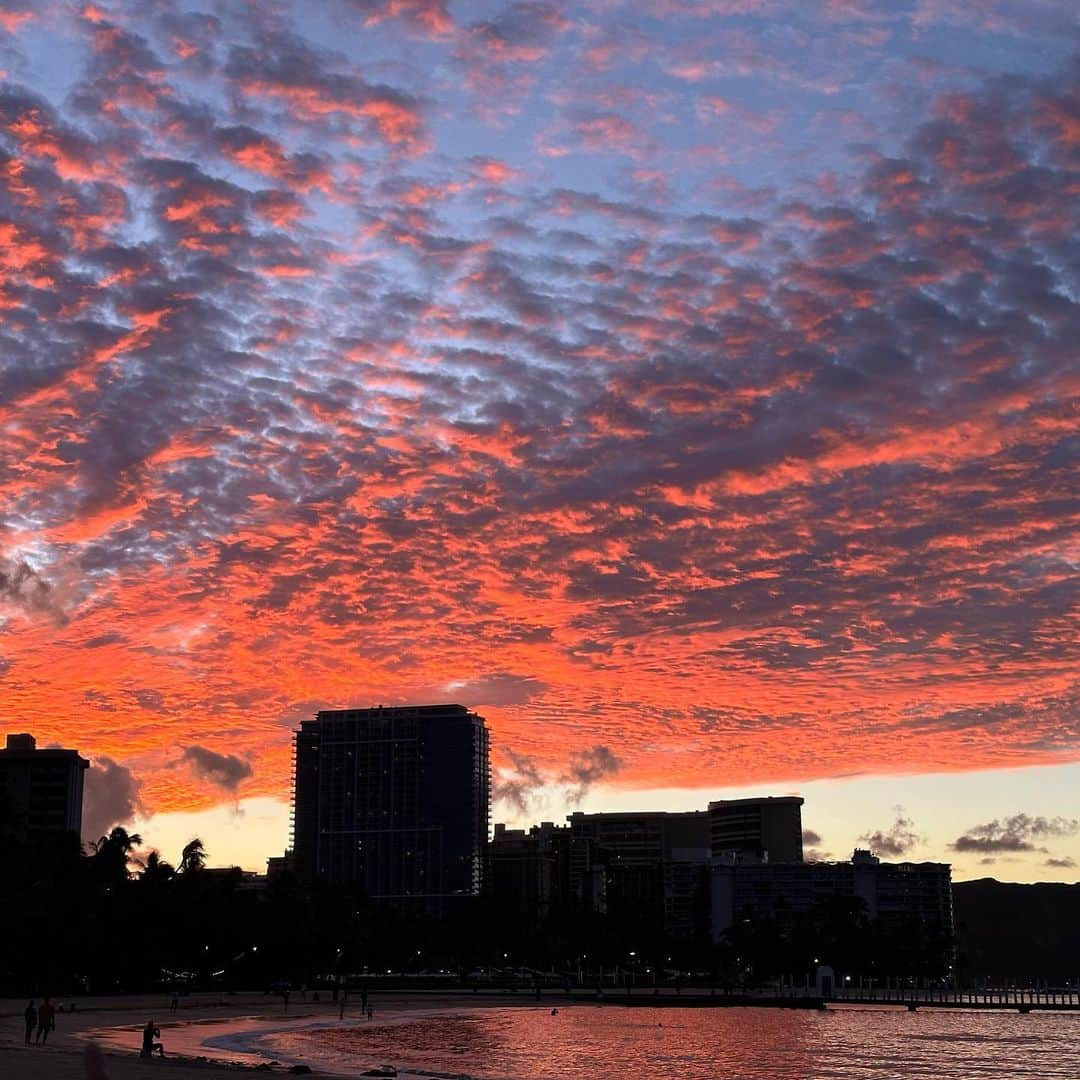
200,1016
63,1058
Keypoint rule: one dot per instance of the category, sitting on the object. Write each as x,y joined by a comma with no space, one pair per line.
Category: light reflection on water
712,1044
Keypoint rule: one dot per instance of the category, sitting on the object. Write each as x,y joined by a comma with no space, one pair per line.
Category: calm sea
610,1043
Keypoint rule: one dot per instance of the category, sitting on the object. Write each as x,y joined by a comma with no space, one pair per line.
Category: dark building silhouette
42,789
652,866
895,895
394,800
280,866
529,871
765,829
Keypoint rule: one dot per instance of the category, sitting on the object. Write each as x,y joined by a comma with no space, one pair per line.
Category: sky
689,387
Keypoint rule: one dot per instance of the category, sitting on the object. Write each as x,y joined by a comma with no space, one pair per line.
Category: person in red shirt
46,1021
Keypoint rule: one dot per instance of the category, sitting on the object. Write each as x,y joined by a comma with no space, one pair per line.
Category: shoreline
210,1036
213,1037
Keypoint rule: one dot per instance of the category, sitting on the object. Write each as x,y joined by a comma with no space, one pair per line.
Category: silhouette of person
174,1001
30,1016
150,1033
363,1000
46,1021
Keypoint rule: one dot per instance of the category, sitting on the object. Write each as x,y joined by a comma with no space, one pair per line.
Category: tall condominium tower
394,800
758,830
42,789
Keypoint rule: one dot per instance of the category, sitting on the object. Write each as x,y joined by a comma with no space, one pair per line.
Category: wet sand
199,1017
62,1058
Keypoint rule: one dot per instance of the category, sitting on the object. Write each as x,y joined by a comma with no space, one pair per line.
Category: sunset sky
689,386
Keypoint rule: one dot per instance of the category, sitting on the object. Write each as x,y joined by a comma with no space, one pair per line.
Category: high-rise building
652,865
529,870
907,893
900,898
394,800
640,838
42,789
757,830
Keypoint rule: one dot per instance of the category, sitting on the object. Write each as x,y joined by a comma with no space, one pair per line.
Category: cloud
23,587
110,797
519,786
224,770
516,787
1066,863
895,841
501,689
149,699
1021,832
433,16
295,378
589,767
811,837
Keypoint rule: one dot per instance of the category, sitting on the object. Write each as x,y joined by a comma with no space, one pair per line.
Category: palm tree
193,857
155,869
112,853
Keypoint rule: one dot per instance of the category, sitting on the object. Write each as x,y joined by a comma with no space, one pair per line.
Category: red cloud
777,481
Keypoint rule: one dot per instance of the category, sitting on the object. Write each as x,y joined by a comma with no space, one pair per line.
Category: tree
193,857
111,855
155,870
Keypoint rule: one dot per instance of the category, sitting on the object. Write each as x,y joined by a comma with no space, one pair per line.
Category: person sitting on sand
46,1021
149,1033
30,1016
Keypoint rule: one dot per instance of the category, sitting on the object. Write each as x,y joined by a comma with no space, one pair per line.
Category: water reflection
706,1044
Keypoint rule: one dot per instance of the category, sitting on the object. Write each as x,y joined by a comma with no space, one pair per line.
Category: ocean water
612,1043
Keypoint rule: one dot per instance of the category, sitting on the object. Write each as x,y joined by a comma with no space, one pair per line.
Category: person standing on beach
30,1016
174,1001
46,1021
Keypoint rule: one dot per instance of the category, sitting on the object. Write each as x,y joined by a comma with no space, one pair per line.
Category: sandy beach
198,1016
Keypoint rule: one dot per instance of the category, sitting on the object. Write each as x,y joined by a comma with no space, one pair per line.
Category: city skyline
237,843
692,393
